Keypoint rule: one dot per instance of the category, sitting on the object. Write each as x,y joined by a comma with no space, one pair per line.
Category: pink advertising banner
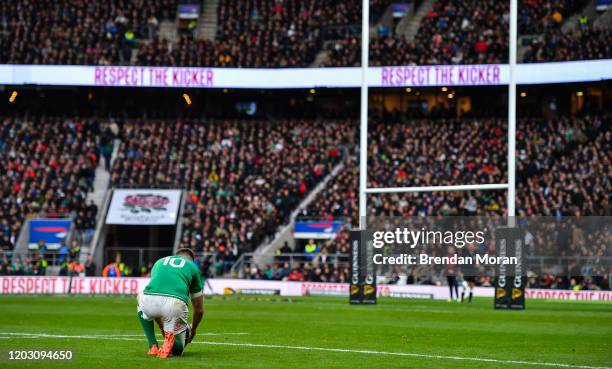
443,75
80,285
131,286
287,78
153,76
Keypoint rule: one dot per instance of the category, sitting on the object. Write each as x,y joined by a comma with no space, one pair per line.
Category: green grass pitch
313,332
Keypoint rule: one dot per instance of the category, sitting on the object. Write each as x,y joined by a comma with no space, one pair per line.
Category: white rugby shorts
172,311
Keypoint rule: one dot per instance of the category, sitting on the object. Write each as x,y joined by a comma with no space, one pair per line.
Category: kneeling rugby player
174,281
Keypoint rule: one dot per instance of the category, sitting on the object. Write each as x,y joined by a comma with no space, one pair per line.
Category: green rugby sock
149,330
179,344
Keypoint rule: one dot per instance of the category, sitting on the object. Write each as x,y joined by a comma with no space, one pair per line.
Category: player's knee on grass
179,344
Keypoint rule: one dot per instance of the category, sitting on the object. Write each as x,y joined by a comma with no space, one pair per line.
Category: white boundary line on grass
199,334
325,349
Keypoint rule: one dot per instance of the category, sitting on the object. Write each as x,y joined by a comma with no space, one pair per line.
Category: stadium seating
554,158
267,33
583,44
420,152
285,34
453,32
47,167
281,34
186,52
239,194
244,177
457,32
563,167
312,272
536,16
76,32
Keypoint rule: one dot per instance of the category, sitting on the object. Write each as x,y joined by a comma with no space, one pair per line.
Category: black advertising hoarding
362,288
510,283
367,265
356,278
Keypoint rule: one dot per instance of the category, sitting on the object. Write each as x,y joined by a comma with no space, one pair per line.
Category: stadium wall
17,285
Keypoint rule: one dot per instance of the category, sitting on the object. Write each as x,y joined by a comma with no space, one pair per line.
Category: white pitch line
405,354
326,349
42,335
199,334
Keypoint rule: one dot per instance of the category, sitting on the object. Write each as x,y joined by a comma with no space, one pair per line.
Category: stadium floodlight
510,186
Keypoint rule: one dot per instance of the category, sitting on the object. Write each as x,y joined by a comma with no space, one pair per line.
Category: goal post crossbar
490,186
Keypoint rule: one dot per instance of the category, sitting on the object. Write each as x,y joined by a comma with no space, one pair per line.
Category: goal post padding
362,272
510,282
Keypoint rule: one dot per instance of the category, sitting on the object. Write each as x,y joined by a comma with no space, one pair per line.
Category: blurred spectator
90,267
76,268
39,264
295,275
115,269
62,254
311,249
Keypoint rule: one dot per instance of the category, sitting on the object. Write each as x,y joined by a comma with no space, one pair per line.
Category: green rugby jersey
175,276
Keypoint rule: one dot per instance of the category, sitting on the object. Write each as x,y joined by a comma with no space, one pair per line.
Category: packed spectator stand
48,168
288,34
563,169
265,169
583,44
243,177
76,32
240,198
537,16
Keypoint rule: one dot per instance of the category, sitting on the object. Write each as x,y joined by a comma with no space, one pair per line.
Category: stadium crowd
48,166
268,33
452,32
537,16
563,169
556,158
37,261
583,44
77,32
244,177
286,33
260,34
427,153
317,271
456,32
251,33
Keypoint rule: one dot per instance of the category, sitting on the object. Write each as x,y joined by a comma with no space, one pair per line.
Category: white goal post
510,186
